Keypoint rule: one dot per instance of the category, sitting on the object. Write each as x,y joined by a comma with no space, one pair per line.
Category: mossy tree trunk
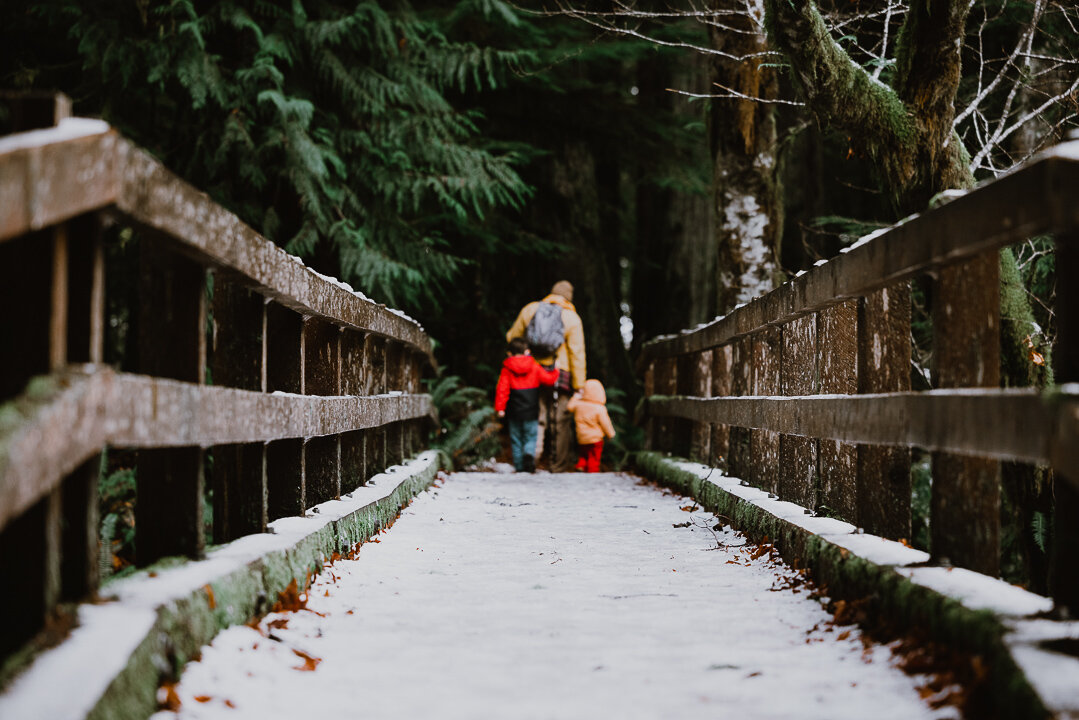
906,131
742,133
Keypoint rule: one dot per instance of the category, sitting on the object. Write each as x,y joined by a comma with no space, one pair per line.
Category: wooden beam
1005,424
73,415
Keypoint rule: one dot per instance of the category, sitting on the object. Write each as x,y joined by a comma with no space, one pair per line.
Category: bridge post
322,376
721,387
395,380
650,424
740,459
237,360
375,354
285,482
798,474
884,357
85,343
681,429
666,378
171,344
965,505
1064,570
701,442
837,339
353,444
767,357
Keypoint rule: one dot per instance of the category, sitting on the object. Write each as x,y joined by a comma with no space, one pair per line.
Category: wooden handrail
315,386
71,415
1027,425
806,391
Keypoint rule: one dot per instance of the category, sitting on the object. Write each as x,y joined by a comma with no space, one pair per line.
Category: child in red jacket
517,400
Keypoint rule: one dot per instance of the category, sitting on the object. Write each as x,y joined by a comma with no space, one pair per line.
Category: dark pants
522,443
557,432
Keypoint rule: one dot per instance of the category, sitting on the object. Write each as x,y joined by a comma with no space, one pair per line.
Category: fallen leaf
203,698
167,699
210,596
309,661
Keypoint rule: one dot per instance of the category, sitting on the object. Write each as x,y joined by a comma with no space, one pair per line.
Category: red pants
588,456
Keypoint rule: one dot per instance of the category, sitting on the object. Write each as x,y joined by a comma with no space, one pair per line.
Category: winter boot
528,464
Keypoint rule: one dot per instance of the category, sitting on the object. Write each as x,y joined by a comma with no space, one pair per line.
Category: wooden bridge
284,391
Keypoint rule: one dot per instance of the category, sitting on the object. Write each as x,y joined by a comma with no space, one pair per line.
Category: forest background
670,159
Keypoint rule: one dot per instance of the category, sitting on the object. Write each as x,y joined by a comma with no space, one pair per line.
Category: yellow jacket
589,408
570,356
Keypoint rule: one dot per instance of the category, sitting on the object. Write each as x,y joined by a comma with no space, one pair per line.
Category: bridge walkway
551,595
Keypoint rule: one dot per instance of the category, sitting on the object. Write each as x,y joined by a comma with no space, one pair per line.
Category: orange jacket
570,356
589,408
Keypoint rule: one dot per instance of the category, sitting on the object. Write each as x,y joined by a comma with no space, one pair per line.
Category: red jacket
517,391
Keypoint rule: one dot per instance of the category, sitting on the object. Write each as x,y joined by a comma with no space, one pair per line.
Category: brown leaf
289,599
278,624
167,699
210,596
203,698
309,661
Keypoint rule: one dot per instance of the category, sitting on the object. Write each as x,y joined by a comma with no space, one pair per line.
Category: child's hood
593,392
519,364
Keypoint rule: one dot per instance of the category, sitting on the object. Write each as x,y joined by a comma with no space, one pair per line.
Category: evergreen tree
325,126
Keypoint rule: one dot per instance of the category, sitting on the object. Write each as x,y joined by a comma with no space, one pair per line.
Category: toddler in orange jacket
589,408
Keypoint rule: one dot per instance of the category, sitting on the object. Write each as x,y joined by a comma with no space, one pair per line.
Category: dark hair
517,346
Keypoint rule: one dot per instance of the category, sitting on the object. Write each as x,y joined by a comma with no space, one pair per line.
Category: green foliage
628,439
327,126
468,431
1041,528
116,493
921,483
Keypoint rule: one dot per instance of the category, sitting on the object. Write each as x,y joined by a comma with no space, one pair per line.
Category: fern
1041,528
468,432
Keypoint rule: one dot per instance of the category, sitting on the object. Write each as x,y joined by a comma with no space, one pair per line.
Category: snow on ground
550,596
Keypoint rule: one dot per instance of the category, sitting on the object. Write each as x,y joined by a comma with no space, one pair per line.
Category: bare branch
735,95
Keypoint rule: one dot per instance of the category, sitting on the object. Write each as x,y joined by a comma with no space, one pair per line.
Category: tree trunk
579,222
742,134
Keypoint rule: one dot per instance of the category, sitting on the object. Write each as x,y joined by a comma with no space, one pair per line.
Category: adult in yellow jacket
555,422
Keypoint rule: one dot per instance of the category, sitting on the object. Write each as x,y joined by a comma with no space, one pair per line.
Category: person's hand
501,413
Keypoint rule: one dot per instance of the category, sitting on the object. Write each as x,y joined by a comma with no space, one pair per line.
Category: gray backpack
545,333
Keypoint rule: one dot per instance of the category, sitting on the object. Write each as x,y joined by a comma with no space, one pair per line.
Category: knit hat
563,288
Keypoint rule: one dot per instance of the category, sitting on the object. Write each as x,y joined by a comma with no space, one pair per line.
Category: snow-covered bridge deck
541,596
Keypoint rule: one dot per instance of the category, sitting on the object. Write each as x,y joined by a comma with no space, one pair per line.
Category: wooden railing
275,386
806,391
